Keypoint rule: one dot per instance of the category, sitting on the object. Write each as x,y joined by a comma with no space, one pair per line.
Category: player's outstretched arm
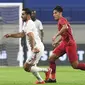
16,35
63,29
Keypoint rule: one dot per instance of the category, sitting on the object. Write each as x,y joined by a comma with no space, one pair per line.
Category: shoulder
30,22
38,21
62,20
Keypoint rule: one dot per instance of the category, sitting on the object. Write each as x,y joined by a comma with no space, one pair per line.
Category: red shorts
69,48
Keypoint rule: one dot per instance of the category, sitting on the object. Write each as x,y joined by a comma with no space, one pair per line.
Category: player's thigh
72,53
39,55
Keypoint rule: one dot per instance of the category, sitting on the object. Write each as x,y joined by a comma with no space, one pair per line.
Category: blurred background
74,11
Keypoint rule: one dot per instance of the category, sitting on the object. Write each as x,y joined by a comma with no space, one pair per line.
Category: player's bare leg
35,71
77,65
31,68
51,77
73,58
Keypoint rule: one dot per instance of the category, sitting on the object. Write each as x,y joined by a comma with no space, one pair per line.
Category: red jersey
67,35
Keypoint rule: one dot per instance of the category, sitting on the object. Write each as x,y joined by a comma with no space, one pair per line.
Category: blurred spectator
38,24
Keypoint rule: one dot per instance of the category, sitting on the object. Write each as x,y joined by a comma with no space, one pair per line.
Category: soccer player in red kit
66,44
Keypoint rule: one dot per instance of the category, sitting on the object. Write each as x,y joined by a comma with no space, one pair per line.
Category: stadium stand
74,10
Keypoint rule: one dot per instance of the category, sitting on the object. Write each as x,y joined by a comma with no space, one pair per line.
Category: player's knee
26,68
74,65
52,58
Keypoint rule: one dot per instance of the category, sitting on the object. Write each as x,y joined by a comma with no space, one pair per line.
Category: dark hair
58,8
27,11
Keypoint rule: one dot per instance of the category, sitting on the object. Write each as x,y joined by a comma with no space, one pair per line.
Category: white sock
38,69
37,75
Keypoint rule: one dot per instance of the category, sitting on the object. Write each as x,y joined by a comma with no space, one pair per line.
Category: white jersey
38,24
30,27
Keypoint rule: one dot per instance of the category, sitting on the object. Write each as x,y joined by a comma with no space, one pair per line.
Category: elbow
30,34
66,28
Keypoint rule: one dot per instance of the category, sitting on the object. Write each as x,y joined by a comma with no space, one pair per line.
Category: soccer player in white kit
35,46
38,24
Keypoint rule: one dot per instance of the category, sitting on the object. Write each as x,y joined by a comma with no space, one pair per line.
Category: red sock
53,67
81,66
53,76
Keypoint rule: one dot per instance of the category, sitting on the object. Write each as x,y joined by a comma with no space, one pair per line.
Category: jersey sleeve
29,28
63,21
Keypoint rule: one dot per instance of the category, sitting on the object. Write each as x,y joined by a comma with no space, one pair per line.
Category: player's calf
75,64
47,74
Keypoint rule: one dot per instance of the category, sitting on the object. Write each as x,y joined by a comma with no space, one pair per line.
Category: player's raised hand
55,44
7,35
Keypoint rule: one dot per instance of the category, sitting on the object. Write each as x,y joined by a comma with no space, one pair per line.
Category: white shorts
35,57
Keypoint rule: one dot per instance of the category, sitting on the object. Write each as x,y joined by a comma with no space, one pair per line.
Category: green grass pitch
17,76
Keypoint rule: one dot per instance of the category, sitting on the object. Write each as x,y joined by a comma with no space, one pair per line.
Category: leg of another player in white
31,65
